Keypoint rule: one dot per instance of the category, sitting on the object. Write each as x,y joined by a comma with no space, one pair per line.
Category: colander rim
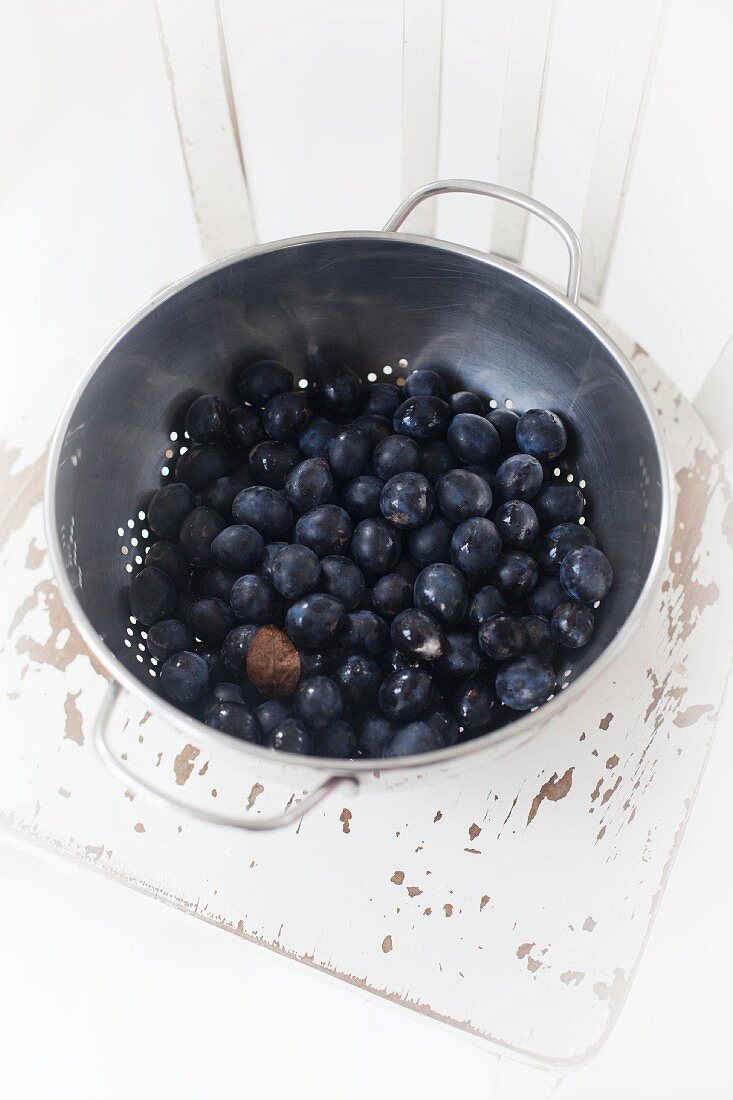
530,723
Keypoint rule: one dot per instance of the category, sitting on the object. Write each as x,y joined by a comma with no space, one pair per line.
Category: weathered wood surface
513,905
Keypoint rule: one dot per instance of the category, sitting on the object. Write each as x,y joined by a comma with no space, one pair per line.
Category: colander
384,303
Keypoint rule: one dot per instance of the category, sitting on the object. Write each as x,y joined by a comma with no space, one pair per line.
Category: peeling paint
345,820
387,944
553,790
692,715
183,763
254,793
73,727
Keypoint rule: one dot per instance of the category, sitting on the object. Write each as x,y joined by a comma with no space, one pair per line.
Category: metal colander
383,304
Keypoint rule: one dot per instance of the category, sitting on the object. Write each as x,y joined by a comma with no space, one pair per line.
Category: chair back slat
422,68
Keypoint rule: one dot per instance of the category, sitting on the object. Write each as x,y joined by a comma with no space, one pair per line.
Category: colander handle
248,822
494,191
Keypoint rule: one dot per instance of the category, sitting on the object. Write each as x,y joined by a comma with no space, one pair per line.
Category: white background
108,993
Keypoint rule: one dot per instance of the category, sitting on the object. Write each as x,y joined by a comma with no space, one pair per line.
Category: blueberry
199,530
422,418
382,399
263,380
152,596
586,574
317,702
265,509
337,741
516,574
502,637
525,682
206,418
212,656
543,599
518,478
559,502
406,694
338,392
168,557
539,636
406,569
268,558
485,602
184,677
407,500
461,658
395,455
360,496
572,625
271,461
391,594
394,659
375,428
295,571
238,547
442,592
314,439
415,737
253,600
475,547
505,421
462,495
228,693
473,439
376,546
358,678
211,619
343,579
435,459
417,634
541,433
464,401
374,733
271,713
291,735
201,465
315,620
234,719
235,647
444,724
364,632
559,541
432,542
221,493
348,453
425,382
244,428
286,415
166,637
476,707
168,508
517,523
326,530
312,663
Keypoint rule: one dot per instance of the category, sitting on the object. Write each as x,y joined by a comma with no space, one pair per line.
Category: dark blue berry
348,453
415,737
268,558
559,541
505,421
272,713
541,433
295,571
286,415
375,428
253,600
314,621
265,509
314,439
168,557
382,399
291,735
393,660
435,459
442,592
317,702
422,418
431,543
233,718
375,731
392,594
166,637
198,531
502,637
235,648
238,547
326,530
184,677
473,439
572,625
206,418
475,547
395,455
262,380
518,478
337,741
558,502
539,636
152,596
425,382
244,428
517,523
271,461
376,545
516,574
337,392
525,682
221,493
586,574
358,679
461,658
407,500
312,663
342,578
406,694
485,602
543,599
211,619
462,495
360,496
364,632
201,465
168,509
228,693
417,634
476,707
464,401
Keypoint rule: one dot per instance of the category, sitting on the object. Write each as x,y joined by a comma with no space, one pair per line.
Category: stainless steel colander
384,304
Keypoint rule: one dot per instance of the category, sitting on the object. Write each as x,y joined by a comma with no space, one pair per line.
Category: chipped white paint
538,876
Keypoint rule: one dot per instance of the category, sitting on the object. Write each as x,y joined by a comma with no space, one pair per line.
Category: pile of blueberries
423,567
